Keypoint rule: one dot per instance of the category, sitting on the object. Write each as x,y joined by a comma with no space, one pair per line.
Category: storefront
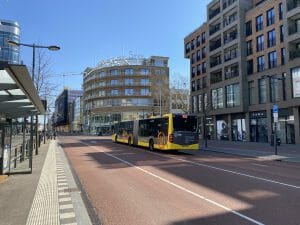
285,126
210,128
258,126
238,127
222,128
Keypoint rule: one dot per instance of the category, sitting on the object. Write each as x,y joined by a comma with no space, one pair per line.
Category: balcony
231,72
292,4
215,61
230,55
215,44
213,13
214,29
295,54
230,37
216,77
227,3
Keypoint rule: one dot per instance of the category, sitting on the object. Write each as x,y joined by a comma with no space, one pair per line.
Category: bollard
22,156
15,160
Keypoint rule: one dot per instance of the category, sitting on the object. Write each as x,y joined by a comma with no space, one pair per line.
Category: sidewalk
47,196
262,151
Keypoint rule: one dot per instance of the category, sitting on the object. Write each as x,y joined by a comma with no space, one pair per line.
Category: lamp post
275,109
33,46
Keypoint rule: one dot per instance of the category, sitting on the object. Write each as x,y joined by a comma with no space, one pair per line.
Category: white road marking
229,171
67,215
257,164
67,206
179,187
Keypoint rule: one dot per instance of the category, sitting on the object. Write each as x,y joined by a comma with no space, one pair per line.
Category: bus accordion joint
171,137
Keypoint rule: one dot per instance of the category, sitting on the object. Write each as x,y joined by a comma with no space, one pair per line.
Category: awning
18,96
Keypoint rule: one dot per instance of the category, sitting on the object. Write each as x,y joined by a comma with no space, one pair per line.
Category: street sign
275,108
275,113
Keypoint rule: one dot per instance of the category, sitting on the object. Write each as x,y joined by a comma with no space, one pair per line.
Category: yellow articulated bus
169,132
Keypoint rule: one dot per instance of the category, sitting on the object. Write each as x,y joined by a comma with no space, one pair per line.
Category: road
130,185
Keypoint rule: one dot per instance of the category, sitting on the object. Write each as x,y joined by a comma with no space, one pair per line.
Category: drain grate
69,190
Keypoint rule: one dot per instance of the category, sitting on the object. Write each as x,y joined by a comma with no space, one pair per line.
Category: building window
274,90
217,98
193,58
129,81
198,40
145,91
101,93
129,91
260,63
233,95
248,28
204,67
272,59
194,104
249,48
193,86
114,72
296,81
271,38
145,82
251,89
203,52
144,71
262,91
102,84
198,55
128,71
281,34
187,47
259,23
114,82
193,44
282,56
102,74
114,92
270,17
260,43
250,67
284,86
280,9
204,82
205,101
199,69
203,37
193,71
198,84
199,103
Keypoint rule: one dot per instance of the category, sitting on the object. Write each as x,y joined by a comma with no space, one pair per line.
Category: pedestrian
54,134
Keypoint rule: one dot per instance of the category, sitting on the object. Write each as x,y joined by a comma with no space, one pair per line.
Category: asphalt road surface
130,185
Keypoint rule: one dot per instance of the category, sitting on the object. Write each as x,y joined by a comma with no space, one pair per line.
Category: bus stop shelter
18,99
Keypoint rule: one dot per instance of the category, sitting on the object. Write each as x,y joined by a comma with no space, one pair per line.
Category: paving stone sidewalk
261,151
47,196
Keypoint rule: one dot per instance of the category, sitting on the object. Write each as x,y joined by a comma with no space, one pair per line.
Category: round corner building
9,30
125,89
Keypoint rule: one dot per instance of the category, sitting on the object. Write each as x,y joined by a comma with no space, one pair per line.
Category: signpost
275,118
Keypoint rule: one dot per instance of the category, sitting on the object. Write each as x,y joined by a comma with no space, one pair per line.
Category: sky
89,31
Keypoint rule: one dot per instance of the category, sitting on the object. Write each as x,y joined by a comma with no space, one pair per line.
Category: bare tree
179,94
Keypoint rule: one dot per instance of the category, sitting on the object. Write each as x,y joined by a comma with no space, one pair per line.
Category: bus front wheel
151,145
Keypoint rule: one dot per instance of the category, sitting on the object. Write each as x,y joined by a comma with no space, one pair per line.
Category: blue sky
92,30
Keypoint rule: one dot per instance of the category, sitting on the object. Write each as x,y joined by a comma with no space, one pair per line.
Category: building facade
9,30
253,63
125,89
77,115
62,118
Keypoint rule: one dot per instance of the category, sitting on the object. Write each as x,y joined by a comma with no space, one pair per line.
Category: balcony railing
293,4
230,37
215,78
227,3
216,45
230,74
230,55
213,13
295,54
215,62
215,29
293,30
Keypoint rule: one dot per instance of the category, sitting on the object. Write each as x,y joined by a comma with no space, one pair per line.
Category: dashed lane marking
179,186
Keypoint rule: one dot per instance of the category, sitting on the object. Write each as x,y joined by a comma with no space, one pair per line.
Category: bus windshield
185,123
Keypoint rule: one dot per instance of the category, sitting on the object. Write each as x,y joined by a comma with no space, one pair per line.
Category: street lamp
33,46
275,108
